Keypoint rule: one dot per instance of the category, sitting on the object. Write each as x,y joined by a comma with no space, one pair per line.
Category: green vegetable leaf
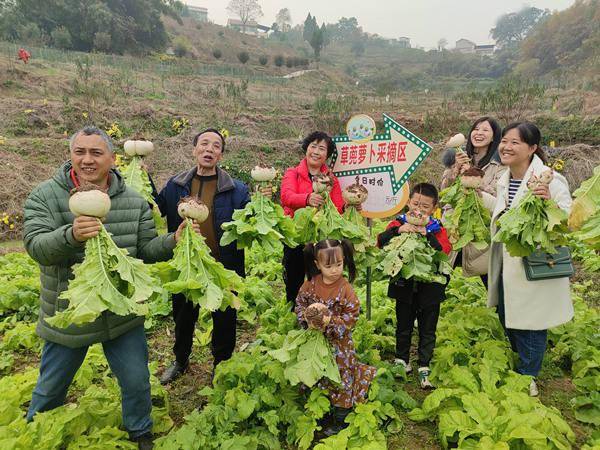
409,255
196,274
468,221
307,358
261,221
531,225
107,280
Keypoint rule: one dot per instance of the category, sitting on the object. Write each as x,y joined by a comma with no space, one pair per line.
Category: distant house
487,49
404,42
198,13
252,28
465,46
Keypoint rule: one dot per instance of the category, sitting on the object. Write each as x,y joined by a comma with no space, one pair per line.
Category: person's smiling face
513,150
482,135
316,154
91,159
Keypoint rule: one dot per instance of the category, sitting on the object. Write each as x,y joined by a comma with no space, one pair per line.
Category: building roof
465,40
250,23
485,46
197,8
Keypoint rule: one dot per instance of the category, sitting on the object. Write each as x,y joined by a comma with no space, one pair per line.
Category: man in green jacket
56,240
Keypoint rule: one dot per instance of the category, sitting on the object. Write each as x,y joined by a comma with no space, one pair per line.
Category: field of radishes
479,402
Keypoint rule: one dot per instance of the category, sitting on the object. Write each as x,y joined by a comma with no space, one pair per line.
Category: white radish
263,173
92,203
417,218
322,183
355,194
138,147
457,140
190,208
472,177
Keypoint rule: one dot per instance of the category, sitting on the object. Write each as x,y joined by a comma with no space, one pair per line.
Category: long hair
492,150
329,249
530,134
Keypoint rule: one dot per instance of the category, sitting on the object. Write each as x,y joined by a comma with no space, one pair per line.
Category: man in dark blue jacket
222,194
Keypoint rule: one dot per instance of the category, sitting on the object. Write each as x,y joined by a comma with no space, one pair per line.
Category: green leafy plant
409,255
261,221
107,280
196,274
585,212
315,224
307,358
469,221
533,224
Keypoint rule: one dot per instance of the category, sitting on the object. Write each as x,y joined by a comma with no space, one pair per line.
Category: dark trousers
293,271
530,345
427,318
185,315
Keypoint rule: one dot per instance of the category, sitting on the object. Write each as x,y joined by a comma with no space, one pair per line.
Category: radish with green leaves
137,178
195,273
108,279
468,222
533,224
262,220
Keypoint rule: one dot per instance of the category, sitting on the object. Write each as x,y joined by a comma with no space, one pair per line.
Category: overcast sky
424,21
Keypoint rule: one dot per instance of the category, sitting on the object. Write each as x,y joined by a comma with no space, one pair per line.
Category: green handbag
542,266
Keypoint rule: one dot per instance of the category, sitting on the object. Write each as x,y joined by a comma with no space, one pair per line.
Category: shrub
181,46
279,60
263,60
102,42
289,62
243,57
217,53
61,38
221,33
30,33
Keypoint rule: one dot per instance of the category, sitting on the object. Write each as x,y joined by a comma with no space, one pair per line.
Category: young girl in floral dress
327,302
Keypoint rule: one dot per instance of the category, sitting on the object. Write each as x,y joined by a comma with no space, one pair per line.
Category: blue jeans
127,357
529,344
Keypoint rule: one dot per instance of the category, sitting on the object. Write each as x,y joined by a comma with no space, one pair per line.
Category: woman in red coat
297,192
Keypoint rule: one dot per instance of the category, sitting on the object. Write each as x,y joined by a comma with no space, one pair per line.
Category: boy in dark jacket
415,299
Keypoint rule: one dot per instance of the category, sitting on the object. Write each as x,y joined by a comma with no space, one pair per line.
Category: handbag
542,266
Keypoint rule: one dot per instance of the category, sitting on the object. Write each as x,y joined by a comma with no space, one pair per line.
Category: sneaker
424,373
533,389
400,362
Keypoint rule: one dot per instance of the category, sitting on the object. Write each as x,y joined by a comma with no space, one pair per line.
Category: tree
246,10
310,26
317,40
512,28
134,25
283,19
442,44
358,48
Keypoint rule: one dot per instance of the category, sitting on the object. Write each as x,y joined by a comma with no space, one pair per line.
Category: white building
465,46
198,13
404,42
252,28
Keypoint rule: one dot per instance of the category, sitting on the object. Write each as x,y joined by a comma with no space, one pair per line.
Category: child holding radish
327,302
415,298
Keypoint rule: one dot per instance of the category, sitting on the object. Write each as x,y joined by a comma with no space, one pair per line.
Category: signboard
380,162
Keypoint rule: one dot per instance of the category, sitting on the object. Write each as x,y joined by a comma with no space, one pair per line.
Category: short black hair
426,189
319,136
209,130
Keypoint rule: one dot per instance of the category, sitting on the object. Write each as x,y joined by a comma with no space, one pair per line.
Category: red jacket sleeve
290,197
442,237
336,195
